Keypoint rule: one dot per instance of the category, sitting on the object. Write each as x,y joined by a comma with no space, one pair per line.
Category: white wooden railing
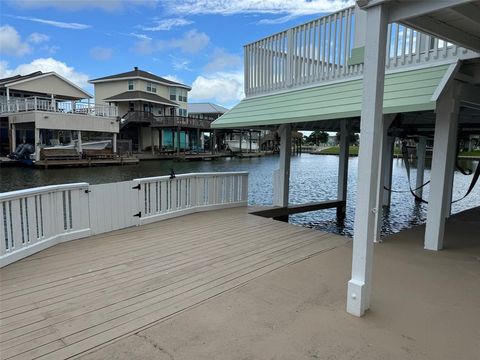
324,50
34,219
68,107
161,196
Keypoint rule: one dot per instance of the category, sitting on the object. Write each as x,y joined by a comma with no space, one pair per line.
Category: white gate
113,206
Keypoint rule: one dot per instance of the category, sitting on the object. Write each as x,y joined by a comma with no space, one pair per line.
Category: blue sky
197,42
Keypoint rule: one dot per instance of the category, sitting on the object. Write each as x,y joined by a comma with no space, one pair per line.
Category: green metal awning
405,91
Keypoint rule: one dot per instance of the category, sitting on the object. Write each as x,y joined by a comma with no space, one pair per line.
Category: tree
317,137
352,138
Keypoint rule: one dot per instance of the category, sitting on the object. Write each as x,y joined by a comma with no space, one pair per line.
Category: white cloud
191,42
50,49
222,7
11,42
74,5
180,63
38,38
140,36
222,88
46,65
173,78
59,24
166,24
101,53
221,60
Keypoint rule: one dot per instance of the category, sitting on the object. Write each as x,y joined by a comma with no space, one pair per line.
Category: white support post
450,174
421,152
8,99
152,140
359,287
79,137
13,137
385,163
282,175
388,170
114,143
53,105
444,143
343,165
37,144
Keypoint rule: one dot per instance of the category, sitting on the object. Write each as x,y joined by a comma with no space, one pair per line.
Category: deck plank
79,295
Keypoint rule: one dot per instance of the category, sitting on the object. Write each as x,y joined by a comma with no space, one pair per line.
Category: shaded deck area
79,295
124,295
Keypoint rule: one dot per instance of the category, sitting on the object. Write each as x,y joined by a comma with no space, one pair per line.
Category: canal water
313,178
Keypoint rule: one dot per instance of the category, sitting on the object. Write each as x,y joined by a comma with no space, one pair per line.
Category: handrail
328,49
181,176
41,190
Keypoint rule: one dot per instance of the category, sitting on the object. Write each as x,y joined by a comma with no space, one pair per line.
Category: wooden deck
80,295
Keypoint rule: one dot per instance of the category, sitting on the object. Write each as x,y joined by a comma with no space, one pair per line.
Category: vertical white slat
347,43
331,68
246,70
318,43
341,43
404,45
389,46
324,44
310,44
445,50
418,54
303,54
395,50
212,188
31,230
3,231
410,47
427,47
436,47
16,224
244,187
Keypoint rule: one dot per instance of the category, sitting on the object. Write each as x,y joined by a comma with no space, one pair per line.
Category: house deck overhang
406,91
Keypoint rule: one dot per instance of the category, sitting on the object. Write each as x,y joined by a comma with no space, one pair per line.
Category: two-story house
153,110
47,110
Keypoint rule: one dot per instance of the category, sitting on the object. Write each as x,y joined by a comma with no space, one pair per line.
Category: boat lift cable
476,175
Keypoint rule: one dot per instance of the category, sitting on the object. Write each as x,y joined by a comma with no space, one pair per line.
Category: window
151,87
173,94
182,112
130,84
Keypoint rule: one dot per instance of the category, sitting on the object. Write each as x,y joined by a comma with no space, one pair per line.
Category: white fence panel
113,206
34,219
164,197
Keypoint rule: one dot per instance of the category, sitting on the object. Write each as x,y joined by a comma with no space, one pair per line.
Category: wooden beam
300,208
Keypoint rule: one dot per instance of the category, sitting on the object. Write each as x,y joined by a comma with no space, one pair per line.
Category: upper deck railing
36,103
329,49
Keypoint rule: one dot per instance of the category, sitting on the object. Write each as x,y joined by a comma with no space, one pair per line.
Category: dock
86,162
228,284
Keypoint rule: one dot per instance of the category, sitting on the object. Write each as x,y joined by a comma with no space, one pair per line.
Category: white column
385,162
37,144
444,143
152,140
388,170
8,98
13,136
359,287
343,165
282,175
53,105
421,151
450,174
79,137
114,143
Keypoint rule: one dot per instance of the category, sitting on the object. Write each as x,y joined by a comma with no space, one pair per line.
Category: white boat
91,145
234,145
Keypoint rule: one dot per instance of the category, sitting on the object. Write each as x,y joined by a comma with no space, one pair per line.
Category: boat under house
381,68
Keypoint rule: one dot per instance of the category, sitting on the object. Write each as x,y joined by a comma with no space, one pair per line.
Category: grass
470,153
335,150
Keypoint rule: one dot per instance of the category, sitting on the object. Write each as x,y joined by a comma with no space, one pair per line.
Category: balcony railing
324,50
164,121
68,107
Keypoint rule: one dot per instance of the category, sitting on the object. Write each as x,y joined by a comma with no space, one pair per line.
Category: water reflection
313,178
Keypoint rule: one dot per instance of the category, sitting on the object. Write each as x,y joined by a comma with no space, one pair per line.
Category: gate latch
137,187
139,214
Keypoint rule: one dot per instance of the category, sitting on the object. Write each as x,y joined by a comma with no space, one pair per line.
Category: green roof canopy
405,91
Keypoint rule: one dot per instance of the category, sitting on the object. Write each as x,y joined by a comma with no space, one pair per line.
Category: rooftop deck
125,290
331,49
